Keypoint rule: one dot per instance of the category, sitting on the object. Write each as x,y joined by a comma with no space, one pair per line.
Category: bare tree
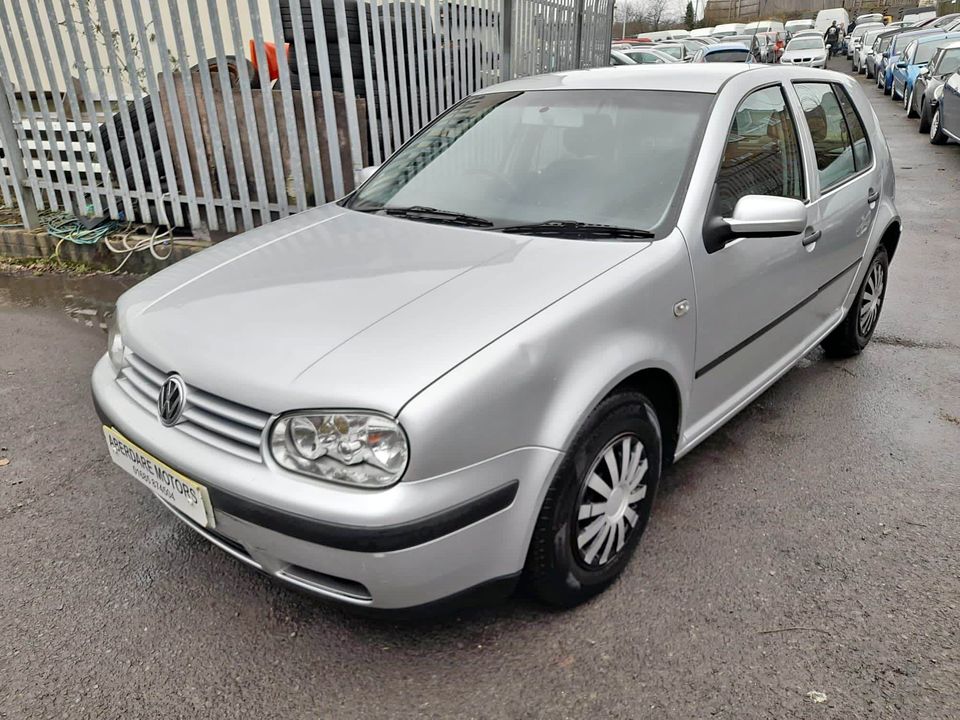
627,12
656,12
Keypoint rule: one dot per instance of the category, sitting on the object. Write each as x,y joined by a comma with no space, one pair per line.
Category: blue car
892,56
914,58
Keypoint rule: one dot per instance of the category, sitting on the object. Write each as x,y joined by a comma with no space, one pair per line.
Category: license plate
186,495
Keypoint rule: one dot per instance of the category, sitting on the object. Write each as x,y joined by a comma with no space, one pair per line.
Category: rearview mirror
767,216
364,174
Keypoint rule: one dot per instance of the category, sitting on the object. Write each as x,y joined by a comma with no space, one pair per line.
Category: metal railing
225,114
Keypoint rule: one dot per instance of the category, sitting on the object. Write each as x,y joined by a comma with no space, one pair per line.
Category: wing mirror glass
364,174
767,216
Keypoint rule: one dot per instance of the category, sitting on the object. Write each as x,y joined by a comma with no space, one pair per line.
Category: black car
925,97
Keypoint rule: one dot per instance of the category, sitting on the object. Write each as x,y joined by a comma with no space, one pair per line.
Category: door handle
811,238
873,196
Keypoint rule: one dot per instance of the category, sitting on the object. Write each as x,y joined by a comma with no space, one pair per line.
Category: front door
751,292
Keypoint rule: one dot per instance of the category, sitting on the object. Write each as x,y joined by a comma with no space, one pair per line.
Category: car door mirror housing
767,216
902,65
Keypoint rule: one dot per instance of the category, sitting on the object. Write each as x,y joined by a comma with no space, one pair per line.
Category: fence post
506,53
14,155
578,35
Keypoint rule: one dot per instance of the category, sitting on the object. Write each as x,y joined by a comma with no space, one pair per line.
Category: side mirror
364,174
902,65
767,216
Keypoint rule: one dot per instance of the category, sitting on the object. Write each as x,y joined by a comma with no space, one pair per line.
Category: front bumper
409,545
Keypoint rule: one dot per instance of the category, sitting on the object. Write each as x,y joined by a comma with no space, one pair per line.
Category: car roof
708,78
955,45
682,77
721,47
936,38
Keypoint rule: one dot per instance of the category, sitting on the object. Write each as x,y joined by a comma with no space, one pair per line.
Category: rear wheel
937,136
851,336
598,504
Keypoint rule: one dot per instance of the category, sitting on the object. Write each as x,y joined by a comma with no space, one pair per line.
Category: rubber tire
923,126
551,572
911,112
846,340
887,90
231,63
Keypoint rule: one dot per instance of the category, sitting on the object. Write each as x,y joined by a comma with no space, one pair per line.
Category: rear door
847,190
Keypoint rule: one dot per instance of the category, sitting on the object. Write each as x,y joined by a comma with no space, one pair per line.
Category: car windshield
730,55
806,43
672,50
949,62
884,43
509,159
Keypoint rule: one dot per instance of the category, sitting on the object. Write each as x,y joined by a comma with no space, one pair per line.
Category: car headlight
938,92
360,449
115,347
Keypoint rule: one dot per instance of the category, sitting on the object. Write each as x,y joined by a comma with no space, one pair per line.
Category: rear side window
762,152
862,154
839,140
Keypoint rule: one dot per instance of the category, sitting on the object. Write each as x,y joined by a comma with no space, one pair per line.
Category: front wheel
908,105
851,336
598,504
924,125
937,135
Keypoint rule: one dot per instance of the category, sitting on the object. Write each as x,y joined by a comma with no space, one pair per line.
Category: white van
911,17
825,18
795,26
759,26
701,32
728,29
662,35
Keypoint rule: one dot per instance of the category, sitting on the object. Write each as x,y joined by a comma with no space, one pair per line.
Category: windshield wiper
429,214
576,229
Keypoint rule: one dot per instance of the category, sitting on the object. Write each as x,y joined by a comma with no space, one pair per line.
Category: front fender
535,385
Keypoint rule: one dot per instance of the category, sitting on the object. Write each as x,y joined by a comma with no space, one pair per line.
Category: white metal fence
153,111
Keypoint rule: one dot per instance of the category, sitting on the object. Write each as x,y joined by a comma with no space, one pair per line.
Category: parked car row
918,66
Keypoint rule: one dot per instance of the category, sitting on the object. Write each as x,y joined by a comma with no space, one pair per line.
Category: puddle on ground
86,300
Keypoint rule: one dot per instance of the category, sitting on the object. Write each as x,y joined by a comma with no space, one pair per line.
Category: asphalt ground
802,563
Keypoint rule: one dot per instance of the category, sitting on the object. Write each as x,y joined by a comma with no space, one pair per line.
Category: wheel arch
663,392
890,238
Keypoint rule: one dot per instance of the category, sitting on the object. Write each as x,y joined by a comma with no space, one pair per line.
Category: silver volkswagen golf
476,367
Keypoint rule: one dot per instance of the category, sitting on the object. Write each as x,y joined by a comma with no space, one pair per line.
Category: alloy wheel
607,509
908,101
871,299
935,125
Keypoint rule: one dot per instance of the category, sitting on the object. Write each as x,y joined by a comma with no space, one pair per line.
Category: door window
762,152
832,145
862,155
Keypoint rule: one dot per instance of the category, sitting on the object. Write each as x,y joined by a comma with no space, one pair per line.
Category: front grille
211,419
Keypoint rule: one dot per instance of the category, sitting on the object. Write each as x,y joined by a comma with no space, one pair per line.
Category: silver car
806,51
478,365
